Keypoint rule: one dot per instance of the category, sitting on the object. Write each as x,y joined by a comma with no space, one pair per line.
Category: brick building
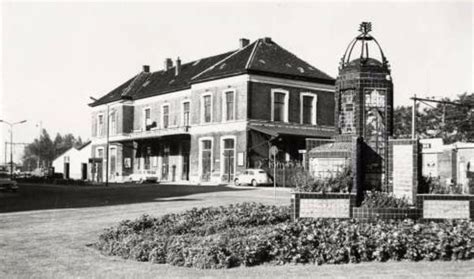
207,120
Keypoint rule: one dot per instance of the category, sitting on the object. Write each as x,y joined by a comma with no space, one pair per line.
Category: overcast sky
56,55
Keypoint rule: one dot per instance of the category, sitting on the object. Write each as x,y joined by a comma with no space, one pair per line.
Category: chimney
168,64
178,66
243,42
146,68
267,40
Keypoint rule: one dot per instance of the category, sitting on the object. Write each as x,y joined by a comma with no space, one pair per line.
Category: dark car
7,184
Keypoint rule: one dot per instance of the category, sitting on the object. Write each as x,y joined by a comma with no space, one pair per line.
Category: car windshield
261,172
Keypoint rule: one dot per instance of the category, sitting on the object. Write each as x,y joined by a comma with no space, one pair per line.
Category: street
49,235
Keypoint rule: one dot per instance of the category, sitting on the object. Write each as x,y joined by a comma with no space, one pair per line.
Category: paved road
49,234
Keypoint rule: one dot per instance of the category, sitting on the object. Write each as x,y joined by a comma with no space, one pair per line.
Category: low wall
446,206
319,205
428,206
386,213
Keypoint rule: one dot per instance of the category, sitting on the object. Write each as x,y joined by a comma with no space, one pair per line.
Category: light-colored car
143,176
253,177
7,184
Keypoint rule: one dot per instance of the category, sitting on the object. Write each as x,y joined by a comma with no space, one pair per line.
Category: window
165,121
308,108
206,108
280,105
186,112
113,122
228,158
100,125
228,112
147,119
113,159
100,153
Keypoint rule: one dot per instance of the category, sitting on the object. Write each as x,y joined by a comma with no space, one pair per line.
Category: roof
276,131
262,57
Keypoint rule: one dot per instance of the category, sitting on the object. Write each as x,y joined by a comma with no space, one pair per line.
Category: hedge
251,234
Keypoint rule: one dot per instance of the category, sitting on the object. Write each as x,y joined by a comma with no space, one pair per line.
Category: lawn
53,243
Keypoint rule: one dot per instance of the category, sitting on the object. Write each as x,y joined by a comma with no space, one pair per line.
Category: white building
73,163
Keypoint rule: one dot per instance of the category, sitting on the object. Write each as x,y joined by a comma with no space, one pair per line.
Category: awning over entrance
276,131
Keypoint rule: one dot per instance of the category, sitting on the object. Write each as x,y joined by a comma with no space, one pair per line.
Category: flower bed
253,234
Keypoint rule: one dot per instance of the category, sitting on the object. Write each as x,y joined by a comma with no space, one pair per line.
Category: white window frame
286,106
182,112
144,124
99,134
163,116
222,154
224,104
202,108
200,155
314,118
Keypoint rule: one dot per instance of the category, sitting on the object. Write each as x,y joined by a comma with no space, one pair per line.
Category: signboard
240,159
445,209
325,208
273,150
403,175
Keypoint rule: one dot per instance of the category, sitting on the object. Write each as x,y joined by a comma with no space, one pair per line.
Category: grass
53,243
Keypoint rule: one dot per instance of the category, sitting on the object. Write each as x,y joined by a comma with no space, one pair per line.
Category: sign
325,208
240,159
273,150
445,209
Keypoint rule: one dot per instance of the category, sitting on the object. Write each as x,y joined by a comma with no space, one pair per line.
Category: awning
276,131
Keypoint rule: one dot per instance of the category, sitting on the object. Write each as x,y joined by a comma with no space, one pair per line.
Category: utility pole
11,143
413,118
444,103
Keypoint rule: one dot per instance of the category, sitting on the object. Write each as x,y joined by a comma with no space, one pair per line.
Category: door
84,171
206,157
66,170
165,162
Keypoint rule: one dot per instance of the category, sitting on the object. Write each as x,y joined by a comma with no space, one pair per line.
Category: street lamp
11,142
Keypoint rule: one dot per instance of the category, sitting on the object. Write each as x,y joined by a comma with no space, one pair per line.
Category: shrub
261,234
376,199
341,182
433,185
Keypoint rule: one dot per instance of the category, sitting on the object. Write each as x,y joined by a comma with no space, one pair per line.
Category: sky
57,54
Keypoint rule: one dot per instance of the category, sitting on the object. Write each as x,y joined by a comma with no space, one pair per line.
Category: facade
452,164
73,163
207,120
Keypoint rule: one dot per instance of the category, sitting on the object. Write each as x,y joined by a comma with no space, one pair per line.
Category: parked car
7,184
253,177
143,176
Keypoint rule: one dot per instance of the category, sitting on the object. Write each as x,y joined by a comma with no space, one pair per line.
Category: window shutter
94,126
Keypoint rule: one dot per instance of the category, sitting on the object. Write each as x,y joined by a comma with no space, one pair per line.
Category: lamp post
11,142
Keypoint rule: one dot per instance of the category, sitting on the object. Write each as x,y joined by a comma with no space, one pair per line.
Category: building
206,120
73,163
453,164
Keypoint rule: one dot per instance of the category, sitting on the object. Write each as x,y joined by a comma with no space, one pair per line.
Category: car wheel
254,183
236,182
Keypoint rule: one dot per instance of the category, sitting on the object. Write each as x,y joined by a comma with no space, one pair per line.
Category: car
253,177
6,183
143,176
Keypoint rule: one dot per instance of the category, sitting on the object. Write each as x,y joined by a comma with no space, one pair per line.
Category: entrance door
165,165
66,170
206,155
84,171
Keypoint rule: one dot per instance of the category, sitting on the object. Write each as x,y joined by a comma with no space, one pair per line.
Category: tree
47,150
450,122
